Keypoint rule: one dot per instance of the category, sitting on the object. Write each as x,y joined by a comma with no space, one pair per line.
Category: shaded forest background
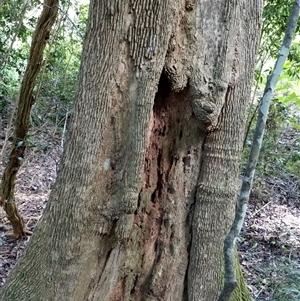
269,246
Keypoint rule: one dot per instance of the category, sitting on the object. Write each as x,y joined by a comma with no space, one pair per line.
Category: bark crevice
169,179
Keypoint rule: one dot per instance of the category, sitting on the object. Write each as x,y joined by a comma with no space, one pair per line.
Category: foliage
275,17
277,157
14,30
56,82
280,154
284,280
280,151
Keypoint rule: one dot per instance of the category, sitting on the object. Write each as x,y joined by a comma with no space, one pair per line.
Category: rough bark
26,100
241,208
145,192
231,75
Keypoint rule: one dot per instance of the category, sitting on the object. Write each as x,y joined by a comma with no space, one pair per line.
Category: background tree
149,175
56,82
61,83
230,279
26,100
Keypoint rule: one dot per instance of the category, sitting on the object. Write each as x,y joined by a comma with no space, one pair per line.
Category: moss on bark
241,293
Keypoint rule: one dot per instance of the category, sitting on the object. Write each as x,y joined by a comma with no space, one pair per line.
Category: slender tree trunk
229,243
148,178
26,100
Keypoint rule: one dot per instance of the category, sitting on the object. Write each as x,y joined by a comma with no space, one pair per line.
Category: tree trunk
148,179
242,204
26,100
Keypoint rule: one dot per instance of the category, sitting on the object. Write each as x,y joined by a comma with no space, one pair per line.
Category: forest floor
269,246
